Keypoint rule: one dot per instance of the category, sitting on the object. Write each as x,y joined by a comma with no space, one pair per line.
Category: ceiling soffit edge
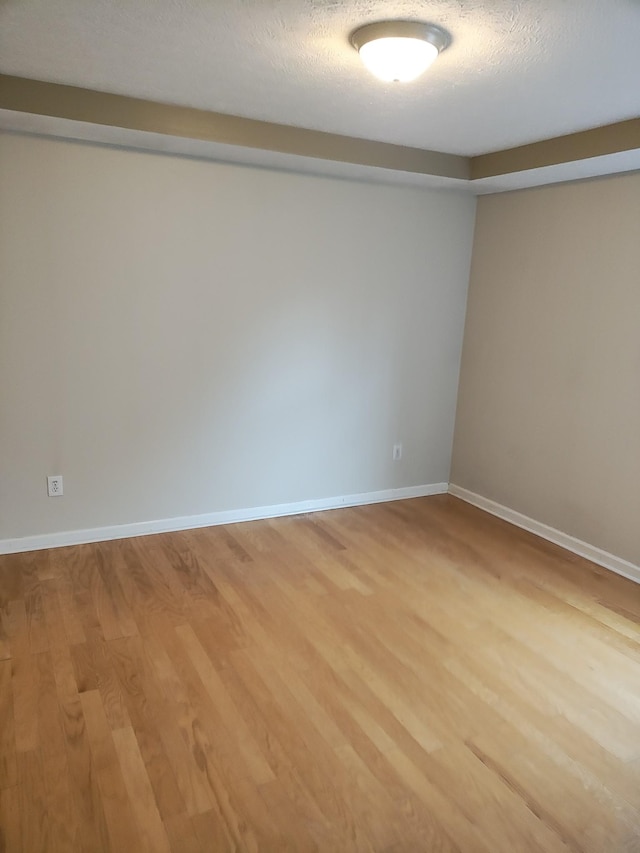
222,133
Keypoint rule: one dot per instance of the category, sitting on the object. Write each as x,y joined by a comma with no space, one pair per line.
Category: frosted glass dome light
399,51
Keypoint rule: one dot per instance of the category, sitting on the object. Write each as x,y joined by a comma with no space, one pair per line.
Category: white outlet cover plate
55,486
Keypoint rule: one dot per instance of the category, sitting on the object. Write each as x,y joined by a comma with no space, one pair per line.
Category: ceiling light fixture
399,51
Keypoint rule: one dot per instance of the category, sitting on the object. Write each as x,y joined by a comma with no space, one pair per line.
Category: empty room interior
320,426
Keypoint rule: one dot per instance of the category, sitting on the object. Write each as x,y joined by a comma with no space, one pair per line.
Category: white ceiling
517,70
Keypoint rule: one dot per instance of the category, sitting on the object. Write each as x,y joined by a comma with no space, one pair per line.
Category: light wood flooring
412,676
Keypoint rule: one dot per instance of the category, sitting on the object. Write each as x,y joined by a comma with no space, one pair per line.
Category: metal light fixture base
436,36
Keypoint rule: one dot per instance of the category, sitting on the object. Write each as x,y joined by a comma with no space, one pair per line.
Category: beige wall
181,337
548,419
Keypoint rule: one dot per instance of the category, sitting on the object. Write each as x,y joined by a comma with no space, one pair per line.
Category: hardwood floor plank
181,834
24,683
63,585
234,795
92,832
117,804
541,791
153,834
34,816
231,716
17,629
449,829
59,803
306,754
8,767
293,787
144,706
503,817
10,820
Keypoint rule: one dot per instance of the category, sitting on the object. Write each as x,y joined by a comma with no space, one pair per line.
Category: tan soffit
597,142
85,105
60,110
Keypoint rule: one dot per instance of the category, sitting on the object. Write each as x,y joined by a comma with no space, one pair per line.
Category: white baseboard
576,546
188,522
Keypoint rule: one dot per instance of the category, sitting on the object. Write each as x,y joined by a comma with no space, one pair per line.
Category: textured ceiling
517,70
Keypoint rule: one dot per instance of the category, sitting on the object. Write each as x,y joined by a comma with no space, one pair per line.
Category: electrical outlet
54,486
397,452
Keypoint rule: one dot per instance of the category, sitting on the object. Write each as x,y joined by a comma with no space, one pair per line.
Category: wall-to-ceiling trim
138,140
597,142
52,109
35,97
